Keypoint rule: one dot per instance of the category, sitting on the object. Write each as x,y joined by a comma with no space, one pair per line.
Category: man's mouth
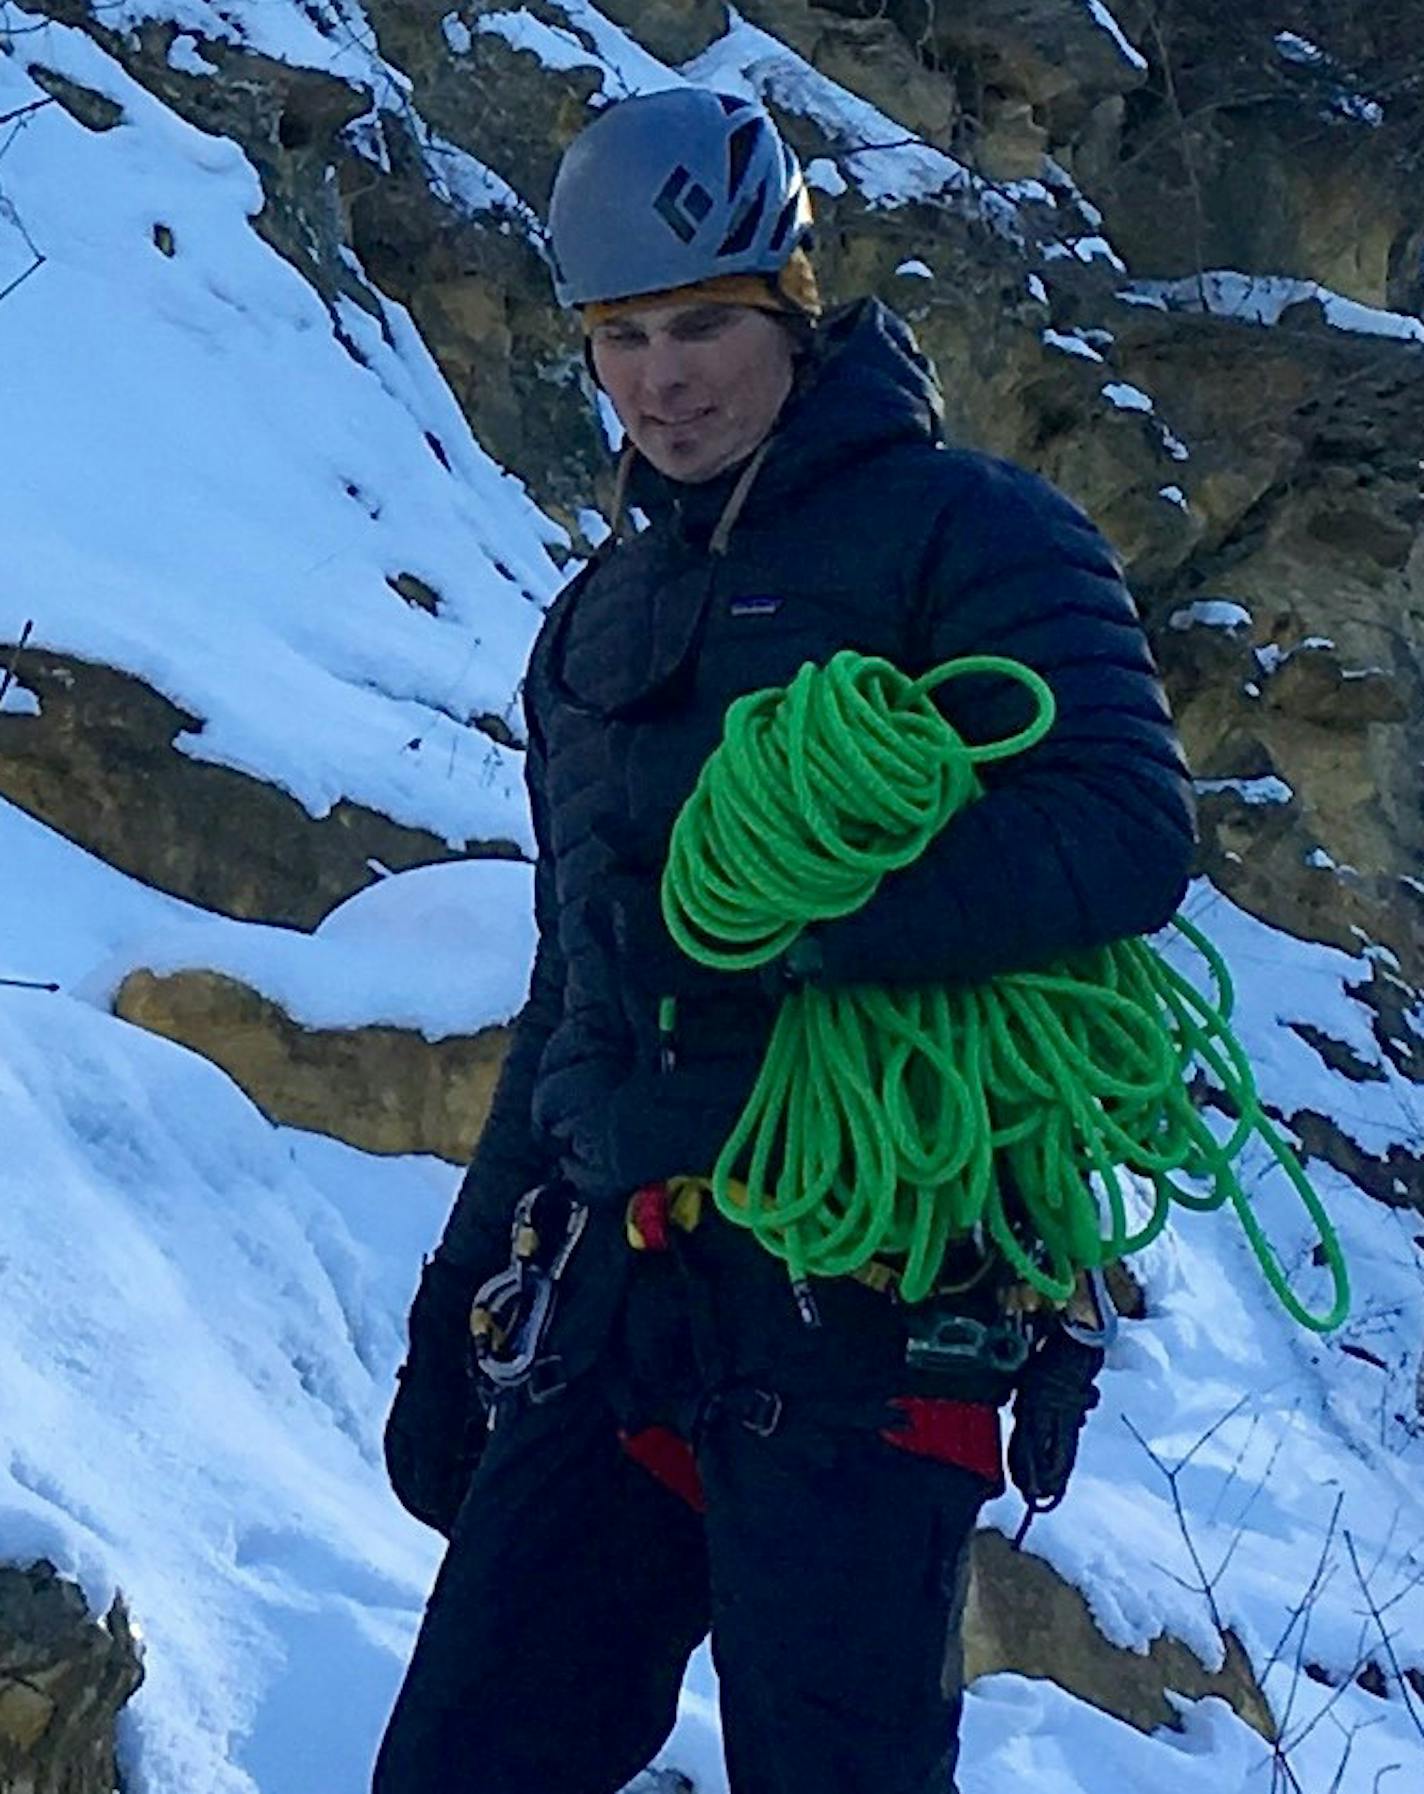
681,423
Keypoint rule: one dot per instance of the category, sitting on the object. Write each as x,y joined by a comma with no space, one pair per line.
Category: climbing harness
511,1312
889,1123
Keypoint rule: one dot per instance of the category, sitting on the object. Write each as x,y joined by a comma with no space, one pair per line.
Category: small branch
9,676
1386,1637
1204,1584
24,111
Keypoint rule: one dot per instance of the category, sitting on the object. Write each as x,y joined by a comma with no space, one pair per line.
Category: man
680,1448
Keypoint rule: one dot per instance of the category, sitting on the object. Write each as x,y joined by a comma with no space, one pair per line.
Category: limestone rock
862,49
96,111
382,1089
1022,1616
1313,686
674,30
98,764
1272,164
64,1676
1052,53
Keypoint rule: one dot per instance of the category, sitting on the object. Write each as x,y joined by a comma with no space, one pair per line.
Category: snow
556,48
1295,48
1211,613
1345,101
1174,445
1265,299
1037,290
1268,790
442,950
888,165
18,700
1125,397
456,34
185,56
196,1351
281,503
1174,495
918,270
1070,343
1087,249
825,177
1109,24
202,1313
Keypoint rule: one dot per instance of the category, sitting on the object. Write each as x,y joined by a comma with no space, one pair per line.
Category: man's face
697,387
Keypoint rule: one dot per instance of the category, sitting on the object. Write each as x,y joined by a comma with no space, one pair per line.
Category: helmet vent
789,214
740,146
740,237
683,204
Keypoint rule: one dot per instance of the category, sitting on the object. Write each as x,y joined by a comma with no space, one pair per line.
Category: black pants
829,1568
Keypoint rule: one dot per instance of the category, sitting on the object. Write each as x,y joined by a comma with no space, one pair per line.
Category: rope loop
1029,1112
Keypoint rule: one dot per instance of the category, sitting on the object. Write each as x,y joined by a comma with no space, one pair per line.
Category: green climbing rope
891,1122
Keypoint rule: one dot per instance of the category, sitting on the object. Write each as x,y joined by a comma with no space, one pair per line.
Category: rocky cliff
1171,256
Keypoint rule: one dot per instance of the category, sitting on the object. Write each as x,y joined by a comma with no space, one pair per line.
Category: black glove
1055,1396
436,1427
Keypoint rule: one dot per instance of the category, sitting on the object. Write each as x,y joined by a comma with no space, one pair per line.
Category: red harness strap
668,1457
965,1434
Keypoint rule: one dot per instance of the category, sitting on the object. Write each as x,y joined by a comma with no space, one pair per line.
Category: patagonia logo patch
754,607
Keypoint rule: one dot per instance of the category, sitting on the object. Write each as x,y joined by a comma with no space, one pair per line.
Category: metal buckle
1106,1331
764,1414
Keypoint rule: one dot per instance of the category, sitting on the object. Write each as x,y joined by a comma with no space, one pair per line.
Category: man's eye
710,323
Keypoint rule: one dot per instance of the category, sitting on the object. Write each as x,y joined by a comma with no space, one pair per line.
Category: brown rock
95,111
98,764
1052,53
384,1090
1023,1617
1312,686
64,1676
674,30
1247,160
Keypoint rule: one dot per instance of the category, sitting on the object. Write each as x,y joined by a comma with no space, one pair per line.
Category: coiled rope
891,1122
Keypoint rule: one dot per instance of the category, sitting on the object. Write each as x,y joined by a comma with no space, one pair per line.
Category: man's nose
664,366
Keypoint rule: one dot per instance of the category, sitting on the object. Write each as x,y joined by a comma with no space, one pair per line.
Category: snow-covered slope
201,1315
204,488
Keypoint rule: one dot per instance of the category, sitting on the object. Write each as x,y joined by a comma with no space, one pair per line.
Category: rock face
385,1090
1023,1617
98,764
64,1676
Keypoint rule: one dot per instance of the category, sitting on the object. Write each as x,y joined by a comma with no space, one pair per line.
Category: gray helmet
672,188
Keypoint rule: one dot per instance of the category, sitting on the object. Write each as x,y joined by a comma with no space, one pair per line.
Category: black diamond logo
683,204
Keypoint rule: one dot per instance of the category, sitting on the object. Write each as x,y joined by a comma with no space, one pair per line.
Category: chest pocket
628,646
757,636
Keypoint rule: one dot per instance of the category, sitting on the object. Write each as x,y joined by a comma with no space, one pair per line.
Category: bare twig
1386,1637
1204,1586
24,111
9,675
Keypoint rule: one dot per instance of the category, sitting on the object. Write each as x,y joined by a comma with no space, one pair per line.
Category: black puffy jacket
861,530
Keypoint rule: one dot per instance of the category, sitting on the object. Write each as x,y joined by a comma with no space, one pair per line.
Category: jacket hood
866,384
